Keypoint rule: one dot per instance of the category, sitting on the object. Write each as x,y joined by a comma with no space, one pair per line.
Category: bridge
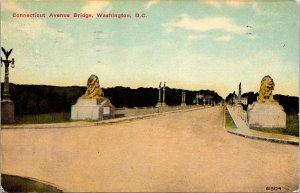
182,151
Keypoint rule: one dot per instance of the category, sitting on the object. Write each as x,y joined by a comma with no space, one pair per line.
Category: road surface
184,151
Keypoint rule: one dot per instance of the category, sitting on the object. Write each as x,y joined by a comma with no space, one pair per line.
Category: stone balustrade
238,110
136,111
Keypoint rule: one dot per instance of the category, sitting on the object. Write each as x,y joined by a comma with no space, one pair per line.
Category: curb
108,121
275,140
259,137
8,127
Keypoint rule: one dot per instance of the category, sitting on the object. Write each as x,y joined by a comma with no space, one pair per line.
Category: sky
191,45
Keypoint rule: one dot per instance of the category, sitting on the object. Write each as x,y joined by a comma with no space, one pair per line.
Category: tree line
39,99
289,103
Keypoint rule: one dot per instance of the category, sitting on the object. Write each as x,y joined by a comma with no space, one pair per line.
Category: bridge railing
136,111
238,110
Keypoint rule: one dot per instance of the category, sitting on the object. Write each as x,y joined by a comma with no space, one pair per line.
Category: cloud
12,6
150,3
33,28
196,37
224,38
258,10
205,24
214,3
94,7
232,3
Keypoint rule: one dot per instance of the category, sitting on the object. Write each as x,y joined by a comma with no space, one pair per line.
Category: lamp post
183,99
240,93
209,99
159,95
7,106
161,102
164,95
197,98
6,95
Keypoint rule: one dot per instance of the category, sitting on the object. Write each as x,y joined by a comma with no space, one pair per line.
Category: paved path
243,130
187,151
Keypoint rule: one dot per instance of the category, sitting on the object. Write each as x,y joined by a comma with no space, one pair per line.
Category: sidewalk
244,131
92,123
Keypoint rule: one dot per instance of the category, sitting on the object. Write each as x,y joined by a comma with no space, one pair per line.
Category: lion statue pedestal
92,110
266,113
266,116
92,106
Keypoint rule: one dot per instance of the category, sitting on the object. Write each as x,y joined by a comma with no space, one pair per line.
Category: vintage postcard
149,96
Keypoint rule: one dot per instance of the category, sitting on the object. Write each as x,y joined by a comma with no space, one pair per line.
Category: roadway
177,152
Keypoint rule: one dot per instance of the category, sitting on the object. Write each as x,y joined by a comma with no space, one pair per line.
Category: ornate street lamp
161,101
7,106
7,62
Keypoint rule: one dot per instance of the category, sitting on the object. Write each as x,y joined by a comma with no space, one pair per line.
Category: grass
20,184
292,121
292,126
229,123
43,118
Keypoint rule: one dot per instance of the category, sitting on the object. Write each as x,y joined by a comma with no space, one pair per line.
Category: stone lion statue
266,88
93,90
